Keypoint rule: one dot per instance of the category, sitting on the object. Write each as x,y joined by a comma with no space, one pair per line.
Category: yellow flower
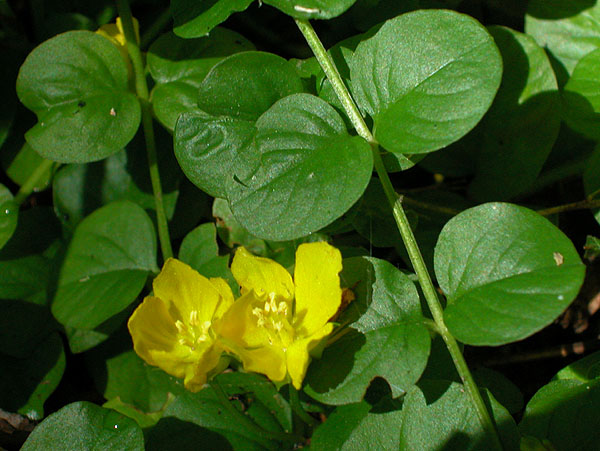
278,321
115,34
175,328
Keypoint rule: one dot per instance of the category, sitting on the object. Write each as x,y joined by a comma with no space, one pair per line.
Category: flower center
273,318
193,333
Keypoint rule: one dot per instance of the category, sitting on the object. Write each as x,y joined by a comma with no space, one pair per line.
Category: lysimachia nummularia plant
216,232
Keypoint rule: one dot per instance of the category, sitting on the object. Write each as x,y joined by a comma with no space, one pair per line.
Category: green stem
247,422
141,88
580,205
403,226
297,407
29,185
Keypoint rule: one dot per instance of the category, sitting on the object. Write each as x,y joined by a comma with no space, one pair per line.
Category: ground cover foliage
447,148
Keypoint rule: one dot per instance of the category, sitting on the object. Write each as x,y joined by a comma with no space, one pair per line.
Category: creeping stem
141,88
403,226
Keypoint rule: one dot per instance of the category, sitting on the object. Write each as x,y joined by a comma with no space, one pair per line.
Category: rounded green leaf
359,426
387,337
207,147
566,413
171,58
9,212
312,9
245,85
194,19
584,370
440,415
77,85
234,94
27,383
106,266
79,189
308,171
522,124
506,271
426,78
582,97
83,425
178,66
200,250
568,29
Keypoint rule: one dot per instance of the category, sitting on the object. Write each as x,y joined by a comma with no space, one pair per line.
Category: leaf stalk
408,237
141,88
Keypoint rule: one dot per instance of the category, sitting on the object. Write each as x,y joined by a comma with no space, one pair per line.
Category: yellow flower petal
152,328
155,339
298,354
267,360
262,275
227,298
318,292
189,295
239,325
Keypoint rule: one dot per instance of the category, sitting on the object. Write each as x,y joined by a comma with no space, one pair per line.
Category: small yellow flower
115,34
175,328
278,321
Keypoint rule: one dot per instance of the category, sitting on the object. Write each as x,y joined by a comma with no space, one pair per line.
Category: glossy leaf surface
83,425
506,272
426,78
77,84
387,336
106,266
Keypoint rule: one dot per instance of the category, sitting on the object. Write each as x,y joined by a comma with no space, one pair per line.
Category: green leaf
506,272
591,179
77,85
207,147
133,382
204,409
232,233
501,387
194,19
200,250
106,266
247,84
24,164
358,426
568,29
312,9
584,370
308,172
522,124
9,213
79,189
440,415
566,413
30,238
27,383
235,93
81,340
582,97
26,278
426,78
387,336
178,66
83,425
